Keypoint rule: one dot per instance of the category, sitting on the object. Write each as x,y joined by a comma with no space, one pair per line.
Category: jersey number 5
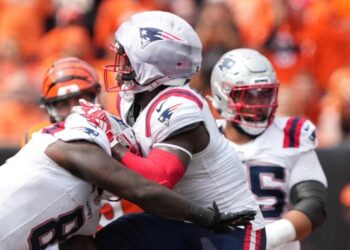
264,191
56,230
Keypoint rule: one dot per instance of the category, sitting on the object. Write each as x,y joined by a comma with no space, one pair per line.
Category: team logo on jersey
226,64
88,131
312,137
149,35
167,113
54,128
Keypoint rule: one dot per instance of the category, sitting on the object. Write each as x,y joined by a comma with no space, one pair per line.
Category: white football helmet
244,90
153,48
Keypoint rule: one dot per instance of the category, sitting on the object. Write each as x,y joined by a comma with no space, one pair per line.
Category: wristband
279,232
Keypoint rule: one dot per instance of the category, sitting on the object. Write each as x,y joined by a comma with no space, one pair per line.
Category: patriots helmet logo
226,64
149,35
166,114
88,131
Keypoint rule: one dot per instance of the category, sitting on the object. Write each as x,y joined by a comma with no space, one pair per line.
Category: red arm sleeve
160,166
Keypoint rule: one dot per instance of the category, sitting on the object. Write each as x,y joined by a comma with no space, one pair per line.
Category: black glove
225,222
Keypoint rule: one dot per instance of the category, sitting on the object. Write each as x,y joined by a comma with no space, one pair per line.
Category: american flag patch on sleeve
182,65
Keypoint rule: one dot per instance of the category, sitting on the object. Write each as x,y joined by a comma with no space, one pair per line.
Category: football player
65,82
278,153
48,190
157,53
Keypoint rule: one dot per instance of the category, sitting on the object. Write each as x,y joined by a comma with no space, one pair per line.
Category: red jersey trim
54,128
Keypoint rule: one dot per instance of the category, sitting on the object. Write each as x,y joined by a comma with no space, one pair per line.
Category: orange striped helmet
68,77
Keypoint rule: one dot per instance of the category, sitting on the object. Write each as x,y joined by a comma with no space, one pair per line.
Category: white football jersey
215,174
275,161
42,203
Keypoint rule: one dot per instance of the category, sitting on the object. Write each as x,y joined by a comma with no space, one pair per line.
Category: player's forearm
161,201
171,205
301,223
294,226
308,199
156,199
92,164
160,166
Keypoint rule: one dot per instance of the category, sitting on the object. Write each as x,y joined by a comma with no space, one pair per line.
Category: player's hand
115,129
223,222
124,134
94,114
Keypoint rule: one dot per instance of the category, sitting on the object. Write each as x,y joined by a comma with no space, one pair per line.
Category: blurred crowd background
308,42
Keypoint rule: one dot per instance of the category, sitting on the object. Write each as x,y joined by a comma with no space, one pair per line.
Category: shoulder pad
171,111
76,127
